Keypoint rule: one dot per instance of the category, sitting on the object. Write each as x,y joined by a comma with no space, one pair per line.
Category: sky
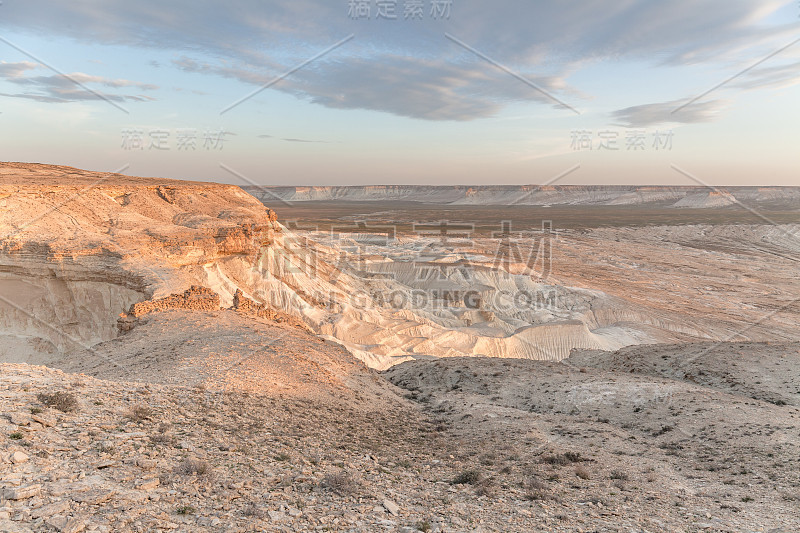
350,92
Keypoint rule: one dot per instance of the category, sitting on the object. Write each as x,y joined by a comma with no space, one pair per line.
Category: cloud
674,112
418,88
769,77
56,88
409,68
15,70
291,140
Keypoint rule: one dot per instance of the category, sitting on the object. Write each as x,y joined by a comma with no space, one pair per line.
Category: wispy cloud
55,88
665,113
292,140
772,77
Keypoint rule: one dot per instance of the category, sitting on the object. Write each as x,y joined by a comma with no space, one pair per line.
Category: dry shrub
140,413
342,483
61,400
193,467
468,477
536,489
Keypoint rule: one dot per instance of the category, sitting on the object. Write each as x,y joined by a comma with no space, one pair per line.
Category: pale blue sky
400,102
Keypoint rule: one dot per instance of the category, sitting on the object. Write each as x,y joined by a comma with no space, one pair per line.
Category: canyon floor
175,356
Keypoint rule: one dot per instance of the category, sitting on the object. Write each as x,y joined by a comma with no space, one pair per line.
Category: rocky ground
174,398
630,437
462,444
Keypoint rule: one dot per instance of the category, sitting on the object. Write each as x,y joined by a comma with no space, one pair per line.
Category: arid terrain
185,356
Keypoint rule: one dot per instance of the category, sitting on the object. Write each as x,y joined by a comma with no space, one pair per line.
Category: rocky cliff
671,196
78,248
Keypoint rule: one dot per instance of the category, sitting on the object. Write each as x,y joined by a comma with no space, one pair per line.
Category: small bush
342,483
105,447
573,457
619,474
468,477
582,472
663,430
485,487
15,436
536,489
140,413
193,467
63,401
253,511
162,438
36,410
185,509
563,459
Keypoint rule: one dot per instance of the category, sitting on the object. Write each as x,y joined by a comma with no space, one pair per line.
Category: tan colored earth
174,359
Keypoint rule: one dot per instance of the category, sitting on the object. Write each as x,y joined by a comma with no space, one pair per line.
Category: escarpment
84,255
78,248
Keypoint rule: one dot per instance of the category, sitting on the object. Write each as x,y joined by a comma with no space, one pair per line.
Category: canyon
458,367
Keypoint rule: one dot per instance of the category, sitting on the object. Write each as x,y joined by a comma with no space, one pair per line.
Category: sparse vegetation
619,474
562,459
63,401
663,430
105,447
139,413
185,510
468,477
536,489
342,483
251,510
193,467
15,436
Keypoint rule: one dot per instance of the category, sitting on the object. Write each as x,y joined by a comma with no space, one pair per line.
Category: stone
44,420
94,497
19,458
50,510
74,525
19,419
148,484
392,507
13,527
22,493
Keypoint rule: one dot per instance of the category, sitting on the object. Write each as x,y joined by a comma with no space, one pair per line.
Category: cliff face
78,248
697,197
